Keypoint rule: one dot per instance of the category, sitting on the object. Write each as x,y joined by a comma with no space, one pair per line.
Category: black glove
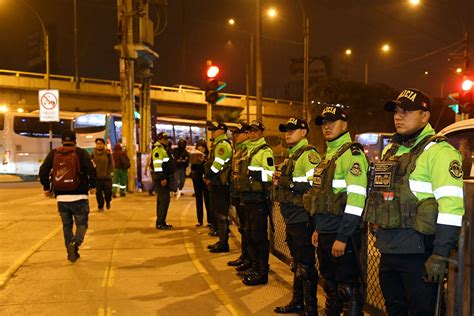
435,269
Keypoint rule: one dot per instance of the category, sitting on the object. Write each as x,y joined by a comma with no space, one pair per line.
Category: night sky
422,39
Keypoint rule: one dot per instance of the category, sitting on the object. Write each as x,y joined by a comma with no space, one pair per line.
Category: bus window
33,127
374,144
90,123
198,133
117,130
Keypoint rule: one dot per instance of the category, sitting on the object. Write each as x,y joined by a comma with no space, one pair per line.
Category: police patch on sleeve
455,169
270,161
356,169
313,158
220,151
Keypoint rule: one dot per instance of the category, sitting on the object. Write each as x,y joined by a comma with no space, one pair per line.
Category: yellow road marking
211,282
20,261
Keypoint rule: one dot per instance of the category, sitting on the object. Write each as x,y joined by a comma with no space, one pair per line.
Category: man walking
290,183
415,207
121,165
68,173
103,163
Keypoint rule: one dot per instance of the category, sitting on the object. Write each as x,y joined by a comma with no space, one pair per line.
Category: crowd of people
411,200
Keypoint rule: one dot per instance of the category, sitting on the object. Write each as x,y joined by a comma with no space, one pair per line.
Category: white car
461,136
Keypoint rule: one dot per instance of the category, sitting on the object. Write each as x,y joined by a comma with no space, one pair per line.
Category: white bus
373,144
24,141
90,126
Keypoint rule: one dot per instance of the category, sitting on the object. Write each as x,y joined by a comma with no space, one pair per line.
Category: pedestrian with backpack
68,173
102,159
121,165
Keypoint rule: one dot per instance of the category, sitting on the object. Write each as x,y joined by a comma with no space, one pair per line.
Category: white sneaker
178,194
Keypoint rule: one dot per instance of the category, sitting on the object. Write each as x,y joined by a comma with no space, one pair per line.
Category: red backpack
66,169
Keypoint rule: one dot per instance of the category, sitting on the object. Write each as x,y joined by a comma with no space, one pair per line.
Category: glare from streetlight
414,2
348,52
3,108
459,70
20,110
231,21
272,12
426,72
385,48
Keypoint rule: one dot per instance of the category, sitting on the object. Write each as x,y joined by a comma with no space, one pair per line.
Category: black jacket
87,174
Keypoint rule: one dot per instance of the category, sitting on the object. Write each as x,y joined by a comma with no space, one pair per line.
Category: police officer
240,140
217,173
256,173
290,183
337,199
162,166
415,207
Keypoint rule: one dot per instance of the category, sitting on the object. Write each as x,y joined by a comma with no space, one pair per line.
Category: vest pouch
285,195
297,199
384,209
426,216
310,200
256,186
339,204
224,175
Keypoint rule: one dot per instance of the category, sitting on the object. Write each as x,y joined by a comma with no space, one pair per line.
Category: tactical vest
391,203
224,173
282,192
321,199
243,182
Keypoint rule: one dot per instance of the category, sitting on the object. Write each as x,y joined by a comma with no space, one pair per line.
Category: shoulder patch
220,151
313,157
356,170
270,161
455,169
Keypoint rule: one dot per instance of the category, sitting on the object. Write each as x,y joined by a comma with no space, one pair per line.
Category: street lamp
414,3
231,21
272,12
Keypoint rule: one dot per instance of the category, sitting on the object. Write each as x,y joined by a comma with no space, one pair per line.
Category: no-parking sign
49,105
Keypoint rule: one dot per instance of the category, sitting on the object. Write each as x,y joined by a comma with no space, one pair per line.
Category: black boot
296,305
261,277
352,298
212,245
244,266
220,247
309,276
333,306
235,263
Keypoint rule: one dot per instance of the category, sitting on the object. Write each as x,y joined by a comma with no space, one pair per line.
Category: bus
373,144
24,141
90,126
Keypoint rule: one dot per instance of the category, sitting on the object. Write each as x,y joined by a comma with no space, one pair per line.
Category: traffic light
465,96
214,86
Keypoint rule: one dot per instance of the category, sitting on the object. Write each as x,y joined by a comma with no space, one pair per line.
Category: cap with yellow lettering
409,100
331,113
214,126
293,124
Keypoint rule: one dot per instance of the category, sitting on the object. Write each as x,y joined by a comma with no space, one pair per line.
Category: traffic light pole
208,119
258,66
127,98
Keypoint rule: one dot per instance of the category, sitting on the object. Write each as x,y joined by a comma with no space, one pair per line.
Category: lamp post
385,48
305,61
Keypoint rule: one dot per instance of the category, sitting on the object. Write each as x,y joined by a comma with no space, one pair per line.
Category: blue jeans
77,211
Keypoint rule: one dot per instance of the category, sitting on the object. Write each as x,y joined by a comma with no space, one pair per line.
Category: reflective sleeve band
300,179
354,210
214,169
449,219
165,159
420,186
158,169
358,189
158,161
310,172
339,183
429,145
449,190
219,160
227,159
251,168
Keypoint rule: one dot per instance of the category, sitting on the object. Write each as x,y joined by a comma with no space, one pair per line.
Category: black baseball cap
68,136
239,128
162,135
293,124
331,113
410,100
256,125
214,126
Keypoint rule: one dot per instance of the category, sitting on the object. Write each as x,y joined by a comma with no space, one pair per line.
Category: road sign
49,105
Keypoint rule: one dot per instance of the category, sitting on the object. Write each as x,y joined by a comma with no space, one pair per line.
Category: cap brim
319,120
408,106
288,127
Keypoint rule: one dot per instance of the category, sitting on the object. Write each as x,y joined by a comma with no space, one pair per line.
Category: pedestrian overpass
20,89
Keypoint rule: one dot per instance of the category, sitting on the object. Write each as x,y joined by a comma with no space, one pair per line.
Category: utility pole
306,69
76,53
258,70
127,54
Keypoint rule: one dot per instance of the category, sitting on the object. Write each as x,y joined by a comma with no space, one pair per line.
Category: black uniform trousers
343,269
403,288
257,230
245,236
220,203
162,202
298,238
202,195
103,191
